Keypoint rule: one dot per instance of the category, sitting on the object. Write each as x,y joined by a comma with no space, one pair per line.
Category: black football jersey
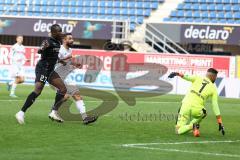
49,51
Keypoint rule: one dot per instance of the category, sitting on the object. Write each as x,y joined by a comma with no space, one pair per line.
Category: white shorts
64,73
17,71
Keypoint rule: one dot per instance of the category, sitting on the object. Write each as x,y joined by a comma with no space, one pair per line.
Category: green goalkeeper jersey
202,88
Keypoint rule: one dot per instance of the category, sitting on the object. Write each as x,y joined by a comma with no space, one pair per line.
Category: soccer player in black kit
49,51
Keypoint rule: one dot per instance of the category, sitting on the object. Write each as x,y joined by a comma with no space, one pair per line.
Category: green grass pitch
119,135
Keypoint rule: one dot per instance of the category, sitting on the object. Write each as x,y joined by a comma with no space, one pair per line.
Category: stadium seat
207,11
104,9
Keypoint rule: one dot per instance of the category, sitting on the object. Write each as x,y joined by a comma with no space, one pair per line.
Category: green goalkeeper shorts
188,112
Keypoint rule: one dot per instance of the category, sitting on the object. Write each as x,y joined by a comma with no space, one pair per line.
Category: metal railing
120,31
154,36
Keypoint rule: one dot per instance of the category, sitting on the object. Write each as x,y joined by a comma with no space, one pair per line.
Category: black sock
29,101
58,101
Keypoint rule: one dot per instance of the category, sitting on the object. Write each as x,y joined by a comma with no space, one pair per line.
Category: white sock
81,107
11,83
13,88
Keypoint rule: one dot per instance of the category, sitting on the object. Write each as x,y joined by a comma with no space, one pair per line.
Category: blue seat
219,7
222,21
132,26
72,3
230,21
124,4
94,10
173,14
236,7
147,12
180,14
140,20
44,2
109,4
237,21
188,14
195,7
196,14
189,20
99,9
210,1
181,19
228,7
23,2
197,20
180,6
140,12
220,15
204,14
187,6
212,15
102,11
123,11
58,2
51,3
116,3
139,5
65,10
166,19
79,3
203,7
109,11
213,20
131,4
235,1
154,5
236,15
116,11
58,9
211,7
205,20
226,1
228,15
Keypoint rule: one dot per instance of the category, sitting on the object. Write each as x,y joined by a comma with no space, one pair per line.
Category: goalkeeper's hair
66,34
212,70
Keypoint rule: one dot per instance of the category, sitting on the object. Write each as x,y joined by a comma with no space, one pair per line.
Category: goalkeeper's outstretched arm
216,111
183,76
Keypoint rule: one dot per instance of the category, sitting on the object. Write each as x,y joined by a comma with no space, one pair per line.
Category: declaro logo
41,26
207,33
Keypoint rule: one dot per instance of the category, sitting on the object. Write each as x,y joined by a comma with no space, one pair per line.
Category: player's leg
58,83
80,104
29,101
13,84
12,87
197,115
183,119
82,109
40,80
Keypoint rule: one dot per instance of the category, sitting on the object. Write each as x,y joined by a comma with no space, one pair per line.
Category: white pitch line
186,151
47,100
144,146
176,143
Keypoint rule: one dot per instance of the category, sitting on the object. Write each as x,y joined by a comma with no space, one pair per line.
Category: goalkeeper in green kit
192,110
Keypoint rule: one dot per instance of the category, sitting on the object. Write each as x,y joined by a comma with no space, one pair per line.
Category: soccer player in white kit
18,60
63,69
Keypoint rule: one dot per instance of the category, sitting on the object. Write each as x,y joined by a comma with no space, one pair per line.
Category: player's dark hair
67,34
56,27
212,70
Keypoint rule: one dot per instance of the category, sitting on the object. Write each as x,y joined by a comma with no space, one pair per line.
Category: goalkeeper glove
173,74
220,125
